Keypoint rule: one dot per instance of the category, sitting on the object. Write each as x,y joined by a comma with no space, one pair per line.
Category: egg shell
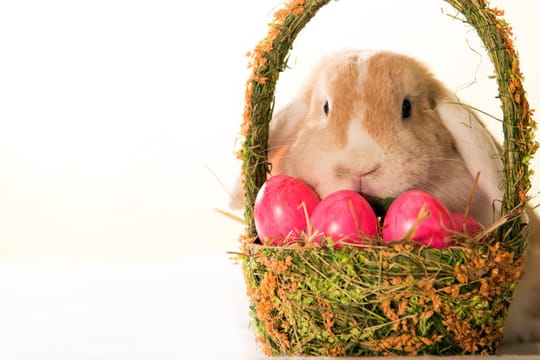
403,213
469,226
346,217
279,212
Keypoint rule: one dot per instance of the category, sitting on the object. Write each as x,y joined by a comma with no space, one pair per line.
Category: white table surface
88,309
189,308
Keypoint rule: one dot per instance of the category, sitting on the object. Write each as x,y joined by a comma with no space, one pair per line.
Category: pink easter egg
469,226
403,213
345,216
281,207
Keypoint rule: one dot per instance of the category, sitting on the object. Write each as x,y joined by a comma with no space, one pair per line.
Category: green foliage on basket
377,300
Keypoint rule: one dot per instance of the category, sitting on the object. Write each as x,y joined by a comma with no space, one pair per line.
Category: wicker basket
326,301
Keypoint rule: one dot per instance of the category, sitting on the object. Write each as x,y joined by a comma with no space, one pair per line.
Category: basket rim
269,59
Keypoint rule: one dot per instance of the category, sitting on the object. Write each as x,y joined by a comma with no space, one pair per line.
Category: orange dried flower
298,11
262,80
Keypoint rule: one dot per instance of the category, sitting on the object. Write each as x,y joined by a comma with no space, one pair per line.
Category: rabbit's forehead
387,80
349,83
365,91
351,65
371,72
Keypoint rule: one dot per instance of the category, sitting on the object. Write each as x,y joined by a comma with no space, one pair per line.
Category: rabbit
379,123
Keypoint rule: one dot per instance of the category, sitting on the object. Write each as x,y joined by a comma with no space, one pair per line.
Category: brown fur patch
345,92
380,92
391,79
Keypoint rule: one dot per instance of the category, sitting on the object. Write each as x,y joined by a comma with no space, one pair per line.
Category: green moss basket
381,300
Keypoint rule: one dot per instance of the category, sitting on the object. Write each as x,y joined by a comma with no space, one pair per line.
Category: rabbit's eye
406,108
326,107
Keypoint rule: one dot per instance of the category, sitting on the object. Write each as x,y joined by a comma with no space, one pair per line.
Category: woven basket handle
269,58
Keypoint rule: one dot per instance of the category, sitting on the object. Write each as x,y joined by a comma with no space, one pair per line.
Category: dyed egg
403,213
469,226
345,216
281,207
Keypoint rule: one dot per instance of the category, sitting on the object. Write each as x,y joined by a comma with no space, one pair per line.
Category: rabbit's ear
475,145
284,127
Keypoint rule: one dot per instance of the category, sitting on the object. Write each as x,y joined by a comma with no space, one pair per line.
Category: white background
118,122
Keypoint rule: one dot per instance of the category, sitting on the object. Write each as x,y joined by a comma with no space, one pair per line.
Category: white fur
363,155
477,148
363,65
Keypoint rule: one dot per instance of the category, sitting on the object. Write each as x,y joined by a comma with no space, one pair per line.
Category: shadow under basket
385,300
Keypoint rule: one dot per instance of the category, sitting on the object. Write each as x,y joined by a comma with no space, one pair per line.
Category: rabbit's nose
363,173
